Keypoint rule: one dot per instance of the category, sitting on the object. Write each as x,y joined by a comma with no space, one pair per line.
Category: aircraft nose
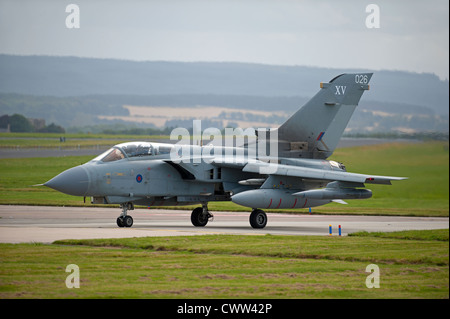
74,181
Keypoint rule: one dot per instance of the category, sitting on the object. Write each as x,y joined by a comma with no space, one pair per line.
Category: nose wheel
125,220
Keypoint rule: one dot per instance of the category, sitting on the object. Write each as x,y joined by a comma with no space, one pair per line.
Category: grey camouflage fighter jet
297,175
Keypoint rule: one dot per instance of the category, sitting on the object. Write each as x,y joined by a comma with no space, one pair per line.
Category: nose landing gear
125,220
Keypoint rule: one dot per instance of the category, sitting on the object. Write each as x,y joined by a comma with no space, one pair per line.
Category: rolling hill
72,91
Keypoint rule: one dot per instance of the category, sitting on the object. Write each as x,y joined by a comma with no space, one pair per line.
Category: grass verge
231,266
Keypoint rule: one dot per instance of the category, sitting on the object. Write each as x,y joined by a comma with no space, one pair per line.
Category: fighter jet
296,176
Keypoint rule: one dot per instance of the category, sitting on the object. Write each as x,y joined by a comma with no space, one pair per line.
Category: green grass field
411,264
425,193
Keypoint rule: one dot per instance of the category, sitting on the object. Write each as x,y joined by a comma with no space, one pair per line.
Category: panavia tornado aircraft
295,174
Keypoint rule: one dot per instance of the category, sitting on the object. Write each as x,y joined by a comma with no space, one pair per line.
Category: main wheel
258,218
199,219
128,221
120,222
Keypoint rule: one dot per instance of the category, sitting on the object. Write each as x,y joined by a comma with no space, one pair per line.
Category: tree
19,123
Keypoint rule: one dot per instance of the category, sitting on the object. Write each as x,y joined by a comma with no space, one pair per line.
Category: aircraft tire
258,218
120,222
128,221
198,219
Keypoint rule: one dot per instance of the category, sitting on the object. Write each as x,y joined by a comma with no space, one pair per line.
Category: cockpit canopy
133,149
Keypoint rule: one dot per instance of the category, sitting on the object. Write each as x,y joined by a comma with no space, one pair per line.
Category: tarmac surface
25,224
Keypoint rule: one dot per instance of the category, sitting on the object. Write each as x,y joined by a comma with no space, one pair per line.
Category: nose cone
74,181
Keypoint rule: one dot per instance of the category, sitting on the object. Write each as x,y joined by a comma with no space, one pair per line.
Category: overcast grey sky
413,35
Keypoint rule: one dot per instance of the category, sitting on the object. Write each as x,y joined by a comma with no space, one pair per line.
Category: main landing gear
125,220
200,216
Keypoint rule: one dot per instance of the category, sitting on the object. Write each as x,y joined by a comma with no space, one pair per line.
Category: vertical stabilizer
316,128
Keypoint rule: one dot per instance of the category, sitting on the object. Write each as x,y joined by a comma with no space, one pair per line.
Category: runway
25,224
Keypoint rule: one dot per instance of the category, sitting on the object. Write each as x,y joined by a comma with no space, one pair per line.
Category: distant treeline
65,111
18,123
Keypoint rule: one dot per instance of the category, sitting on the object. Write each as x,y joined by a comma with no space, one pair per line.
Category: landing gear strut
124,220
258,218
200,216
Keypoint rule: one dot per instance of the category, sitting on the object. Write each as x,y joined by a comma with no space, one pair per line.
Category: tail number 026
361,78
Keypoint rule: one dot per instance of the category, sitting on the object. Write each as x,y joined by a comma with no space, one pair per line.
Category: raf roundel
139,178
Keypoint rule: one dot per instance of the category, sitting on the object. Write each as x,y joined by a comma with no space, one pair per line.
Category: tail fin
316,128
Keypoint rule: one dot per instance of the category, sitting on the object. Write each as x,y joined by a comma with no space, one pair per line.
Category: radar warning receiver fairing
298,176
